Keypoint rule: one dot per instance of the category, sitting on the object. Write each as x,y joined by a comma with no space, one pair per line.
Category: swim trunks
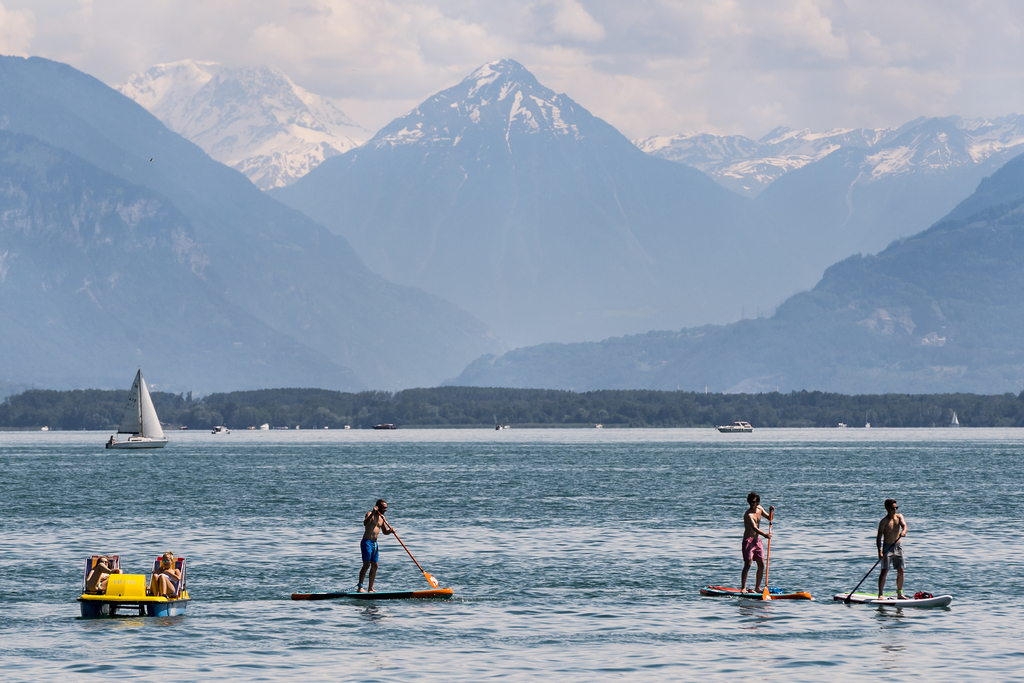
752,549
369,550
892,553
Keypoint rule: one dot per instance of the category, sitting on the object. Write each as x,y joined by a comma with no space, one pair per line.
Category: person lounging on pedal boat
97,581
166,581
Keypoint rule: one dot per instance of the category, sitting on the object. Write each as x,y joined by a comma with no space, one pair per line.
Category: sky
649,67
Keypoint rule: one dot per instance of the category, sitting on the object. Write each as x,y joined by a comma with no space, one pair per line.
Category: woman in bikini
165,580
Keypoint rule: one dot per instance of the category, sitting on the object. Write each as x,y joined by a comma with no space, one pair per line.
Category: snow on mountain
502,93
254,119
925,145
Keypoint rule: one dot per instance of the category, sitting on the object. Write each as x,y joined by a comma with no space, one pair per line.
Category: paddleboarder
753,551
891,529
374,524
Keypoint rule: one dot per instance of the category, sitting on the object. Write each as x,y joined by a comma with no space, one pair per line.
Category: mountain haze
85,257
517,204
254,119
265,259
940,311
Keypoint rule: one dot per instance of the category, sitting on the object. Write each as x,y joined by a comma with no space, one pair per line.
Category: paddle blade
766,595
431,580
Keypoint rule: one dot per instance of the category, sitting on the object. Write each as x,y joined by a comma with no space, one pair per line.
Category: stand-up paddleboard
386,595
890,600
775,593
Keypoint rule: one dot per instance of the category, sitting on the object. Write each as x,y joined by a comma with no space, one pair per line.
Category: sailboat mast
138,406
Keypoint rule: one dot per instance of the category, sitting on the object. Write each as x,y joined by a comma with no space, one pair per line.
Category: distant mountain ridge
299,286
748,166
940,311
254,119
521,206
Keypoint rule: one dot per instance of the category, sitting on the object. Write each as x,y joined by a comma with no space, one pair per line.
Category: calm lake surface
576,554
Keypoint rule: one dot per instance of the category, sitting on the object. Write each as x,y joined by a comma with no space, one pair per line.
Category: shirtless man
753,551
374,524
166,579
97,581
891,529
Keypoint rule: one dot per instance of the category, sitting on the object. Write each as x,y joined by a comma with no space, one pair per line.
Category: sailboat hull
139,443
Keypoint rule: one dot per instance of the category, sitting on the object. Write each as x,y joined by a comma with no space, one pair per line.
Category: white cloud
17,29
647,66
572,21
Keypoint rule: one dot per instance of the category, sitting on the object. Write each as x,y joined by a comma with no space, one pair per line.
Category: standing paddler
753,551
374,524
891,529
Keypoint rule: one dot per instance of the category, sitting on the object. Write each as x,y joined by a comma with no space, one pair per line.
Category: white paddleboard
890,600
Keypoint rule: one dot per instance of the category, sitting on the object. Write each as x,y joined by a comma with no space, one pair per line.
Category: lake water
576,554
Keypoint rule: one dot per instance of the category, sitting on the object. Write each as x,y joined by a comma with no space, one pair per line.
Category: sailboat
139,420
954,422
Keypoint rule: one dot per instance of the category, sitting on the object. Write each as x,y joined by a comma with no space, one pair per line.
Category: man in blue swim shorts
374,524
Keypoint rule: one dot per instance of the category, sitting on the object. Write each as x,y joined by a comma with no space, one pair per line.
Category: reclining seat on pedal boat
90,563
179,564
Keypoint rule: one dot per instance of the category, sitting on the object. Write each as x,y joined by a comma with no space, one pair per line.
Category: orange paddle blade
766,595
431,580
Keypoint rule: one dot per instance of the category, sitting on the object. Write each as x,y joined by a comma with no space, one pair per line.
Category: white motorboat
220,430
735,427
139,420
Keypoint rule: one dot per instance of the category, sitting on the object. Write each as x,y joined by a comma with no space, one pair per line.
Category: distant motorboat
735,427
182,428
599,426
385,425
264,427
348,427
44,428
955,422
139,420
220,430
842,425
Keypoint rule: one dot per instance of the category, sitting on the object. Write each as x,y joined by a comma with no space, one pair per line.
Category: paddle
847,600
430,579
767,557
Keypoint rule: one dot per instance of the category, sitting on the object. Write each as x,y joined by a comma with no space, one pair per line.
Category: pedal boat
125,594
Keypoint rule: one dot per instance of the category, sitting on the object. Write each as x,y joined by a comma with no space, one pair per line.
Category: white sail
131,418
150,422
955,422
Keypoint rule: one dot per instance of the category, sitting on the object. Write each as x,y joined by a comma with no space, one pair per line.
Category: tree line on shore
478,407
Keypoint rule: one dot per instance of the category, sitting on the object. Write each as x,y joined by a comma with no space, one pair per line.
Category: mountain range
940,311
124,245
520,206
749,166
254,119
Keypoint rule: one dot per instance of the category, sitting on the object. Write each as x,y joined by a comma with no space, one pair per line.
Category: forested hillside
479,407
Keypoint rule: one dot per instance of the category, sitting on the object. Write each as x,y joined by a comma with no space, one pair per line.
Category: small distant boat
348,427
953,423
220,430
599,426
842,425
385,425
735,427
183,428
497,427
264,427
46,429
139,420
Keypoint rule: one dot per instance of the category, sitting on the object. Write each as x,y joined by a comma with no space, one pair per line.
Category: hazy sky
646,66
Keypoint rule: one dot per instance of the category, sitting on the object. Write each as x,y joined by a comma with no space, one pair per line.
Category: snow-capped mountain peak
499,95
255,119
924,145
